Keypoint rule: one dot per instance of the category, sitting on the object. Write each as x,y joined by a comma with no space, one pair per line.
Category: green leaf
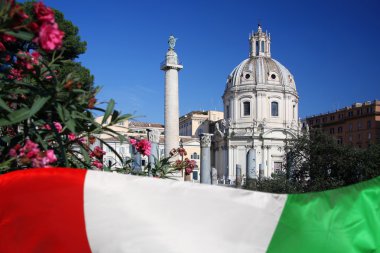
21,35
4,106
24,113
85,155
108,111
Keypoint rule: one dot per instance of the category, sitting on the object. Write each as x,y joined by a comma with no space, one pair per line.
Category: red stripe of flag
42,210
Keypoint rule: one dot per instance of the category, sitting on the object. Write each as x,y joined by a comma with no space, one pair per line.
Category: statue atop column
172,42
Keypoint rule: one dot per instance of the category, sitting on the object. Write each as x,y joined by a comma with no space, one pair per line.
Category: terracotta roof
144,124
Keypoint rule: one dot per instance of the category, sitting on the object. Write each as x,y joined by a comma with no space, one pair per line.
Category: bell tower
259,43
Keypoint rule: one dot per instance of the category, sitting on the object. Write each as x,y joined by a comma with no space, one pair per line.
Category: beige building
138,130
196,122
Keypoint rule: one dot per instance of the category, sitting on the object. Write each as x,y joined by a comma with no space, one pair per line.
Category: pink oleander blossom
43,159
143,147
8,38
133,142
30,149
50,156
50,37
31,155
2,47
71,136
97,164
97,152
43,13
57,125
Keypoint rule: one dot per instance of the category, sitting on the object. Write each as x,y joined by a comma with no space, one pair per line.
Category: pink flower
71,136
43,13
50,37
8,38
2,47
97,152
57,125
143,147
13,151
182,151
30,149
97,164
34,27
132,141
50,156
15,74
188,170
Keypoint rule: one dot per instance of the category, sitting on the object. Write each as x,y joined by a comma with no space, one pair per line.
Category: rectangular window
340,129
331,130
257,47
274,108
359,125
262,46
277,167
247,108
368,124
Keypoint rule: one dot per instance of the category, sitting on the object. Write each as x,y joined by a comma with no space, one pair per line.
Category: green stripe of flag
345,220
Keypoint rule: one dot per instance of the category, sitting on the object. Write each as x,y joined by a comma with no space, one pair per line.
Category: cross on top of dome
259,43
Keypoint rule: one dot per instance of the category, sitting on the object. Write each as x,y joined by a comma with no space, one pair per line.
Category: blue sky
331,47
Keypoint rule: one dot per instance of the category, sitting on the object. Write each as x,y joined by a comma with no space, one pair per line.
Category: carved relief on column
205,140
153,135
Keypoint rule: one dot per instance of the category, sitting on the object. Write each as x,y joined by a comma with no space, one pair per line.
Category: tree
72,47
316,162
46,114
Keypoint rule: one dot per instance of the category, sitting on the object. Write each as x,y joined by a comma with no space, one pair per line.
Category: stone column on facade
171,66
251,167
238,176
263,151
214,176
225,162
154,138
205,158
269,167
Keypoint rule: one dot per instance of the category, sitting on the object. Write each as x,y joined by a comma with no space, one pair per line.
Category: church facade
260,114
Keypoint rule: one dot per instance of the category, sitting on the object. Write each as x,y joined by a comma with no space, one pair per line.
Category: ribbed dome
260,70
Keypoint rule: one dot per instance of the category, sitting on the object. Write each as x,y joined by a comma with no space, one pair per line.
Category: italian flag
71,210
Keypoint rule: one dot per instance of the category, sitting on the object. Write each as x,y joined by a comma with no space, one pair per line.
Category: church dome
260,71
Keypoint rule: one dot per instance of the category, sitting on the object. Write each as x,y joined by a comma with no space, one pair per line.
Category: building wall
357,125
197,122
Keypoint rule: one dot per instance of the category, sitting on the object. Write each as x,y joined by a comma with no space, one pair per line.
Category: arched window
274,108
246,108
